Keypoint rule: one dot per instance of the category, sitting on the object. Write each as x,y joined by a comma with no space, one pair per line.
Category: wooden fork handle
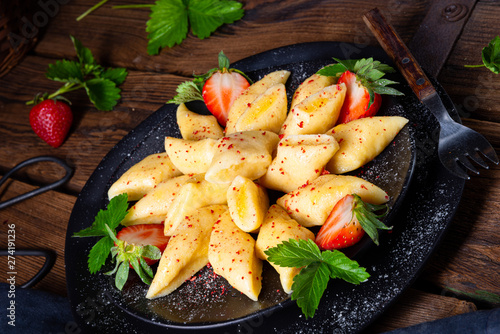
400,54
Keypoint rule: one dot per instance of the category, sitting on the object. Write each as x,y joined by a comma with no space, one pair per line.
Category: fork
457,144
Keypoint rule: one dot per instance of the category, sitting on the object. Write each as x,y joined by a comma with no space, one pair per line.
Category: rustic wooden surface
464,273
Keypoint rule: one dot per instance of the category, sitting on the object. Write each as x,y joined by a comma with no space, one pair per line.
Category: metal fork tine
477,159
454,167
489,152
467,164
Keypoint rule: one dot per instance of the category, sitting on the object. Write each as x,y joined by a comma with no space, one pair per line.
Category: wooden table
461,276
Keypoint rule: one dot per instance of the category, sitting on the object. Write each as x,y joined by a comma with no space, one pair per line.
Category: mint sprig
491,56
105,219
317,269
368,71
100,83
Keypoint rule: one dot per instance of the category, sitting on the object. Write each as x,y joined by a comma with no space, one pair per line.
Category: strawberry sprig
368,72
128,255
318,267
101,84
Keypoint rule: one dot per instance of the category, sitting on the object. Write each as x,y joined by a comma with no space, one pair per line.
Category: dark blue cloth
34,311
479,322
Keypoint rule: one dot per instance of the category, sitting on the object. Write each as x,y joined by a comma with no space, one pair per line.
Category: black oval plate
420,215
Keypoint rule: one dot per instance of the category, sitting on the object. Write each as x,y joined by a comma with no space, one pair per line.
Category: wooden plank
40,223
415,307
94,132
448,18
261,29
474,90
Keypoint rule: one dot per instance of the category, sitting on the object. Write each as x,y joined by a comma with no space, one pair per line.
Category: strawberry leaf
167,26
65,71
491,55
121,275
84,54
103,93
117,75
170,20
205,16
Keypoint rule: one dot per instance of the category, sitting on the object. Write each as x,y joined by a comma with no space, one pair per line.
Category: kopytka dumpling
311,204
299,159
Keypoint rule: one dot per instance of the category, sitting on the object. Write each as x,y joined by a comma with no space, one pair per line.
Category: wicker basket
13,44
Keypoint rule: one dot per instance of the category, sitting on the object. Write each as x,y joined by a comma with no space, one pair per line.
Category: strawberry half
145,234
357,100
220,91
51,121
365,83
348,222
218,88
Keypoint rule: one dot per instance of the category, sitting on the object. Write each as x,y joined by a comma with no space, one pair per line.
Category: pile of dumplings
210,187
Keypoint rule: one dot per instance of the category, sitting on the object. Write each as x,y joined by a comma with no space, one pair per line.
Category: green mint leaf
103,93
117,75
65,71
205,16
121,275
186,92
112,216
344,268
308,287
294,253
84,54
167,26
99,253
491,55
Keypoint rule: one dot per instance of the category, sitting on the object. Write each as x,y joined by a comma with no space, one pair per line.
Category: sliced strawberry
357,101
364,79
220,91
218,88
348,222
145,234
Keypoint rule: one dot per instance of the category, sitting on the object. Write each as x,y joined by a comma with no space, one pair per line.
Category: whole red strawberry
51,121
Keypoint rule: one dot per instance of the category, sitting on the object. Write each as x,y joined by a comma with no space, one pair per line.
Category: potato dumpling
279,227
248,203
153,207
245,153
190,156
361,140
250,94
267,112
194,126
142,177
232,255
186,252
311,204
299,159
317,113
310,86
194,194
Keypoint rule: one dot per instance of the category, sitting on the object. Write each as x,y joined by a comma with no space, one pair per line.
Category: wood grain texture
40,223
